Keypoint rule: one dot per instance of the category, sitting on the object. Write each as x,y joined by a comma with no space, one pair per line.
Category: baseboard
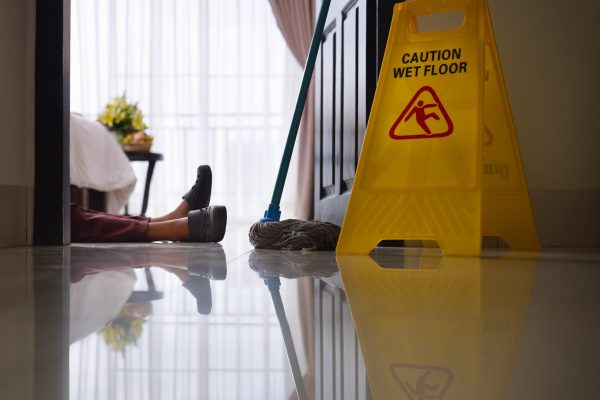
14,206
567,217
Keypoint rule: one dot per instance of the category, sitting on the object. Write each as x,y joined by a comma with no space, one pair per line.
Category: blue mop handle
273,213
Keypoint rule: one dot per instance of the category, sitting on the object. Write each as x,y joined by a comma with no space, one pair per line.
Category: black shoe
199,195
207,224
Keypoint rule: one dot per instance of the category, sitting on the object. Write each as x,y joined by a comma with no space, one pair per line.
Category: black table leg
151,159
147,186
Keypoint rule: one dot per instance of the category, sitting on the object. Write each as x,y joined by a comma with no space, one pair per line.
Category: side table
151,158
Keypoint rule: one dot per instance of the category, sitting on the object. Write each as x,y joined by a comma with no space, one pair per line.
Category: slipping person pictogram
424,116
422,390
421,382
421,116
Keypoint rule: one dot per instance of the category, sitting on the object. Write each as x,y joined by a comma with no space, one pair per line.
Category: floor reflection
155,322
293,264
182,321
270,266
439,327
34,323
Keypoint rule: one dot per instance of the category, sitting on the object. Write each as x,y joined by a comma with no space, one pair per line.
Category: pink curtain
296,20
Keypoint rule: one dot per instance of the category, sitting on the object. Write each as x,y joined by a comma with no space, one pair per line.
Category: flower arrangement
127,120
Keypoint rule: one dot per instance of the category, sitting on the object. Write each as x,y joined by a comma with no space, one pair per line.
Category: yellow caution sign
440,160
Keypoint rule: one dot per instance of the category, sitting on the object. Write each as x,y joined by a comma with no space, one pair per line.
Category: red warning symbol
423,117
419,382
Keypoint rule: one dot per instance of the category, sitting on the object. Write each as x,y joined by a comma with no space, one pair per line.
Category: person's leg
174,230
126,217
95,226
196,198
206,225
181,211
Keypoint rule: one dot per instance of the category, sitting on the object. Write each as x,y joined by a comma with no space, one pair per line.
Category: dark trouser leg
96,226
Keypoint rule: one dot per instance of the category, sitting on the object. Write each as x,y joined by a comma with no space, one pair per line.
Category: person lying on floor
193,220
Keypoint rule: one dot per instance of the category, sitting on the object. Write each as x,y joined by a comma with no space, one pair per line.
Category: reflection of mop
262,233
292,264
273,283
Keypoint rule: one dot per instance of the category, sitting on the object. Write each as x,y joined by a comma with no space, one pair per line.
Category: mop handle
308,71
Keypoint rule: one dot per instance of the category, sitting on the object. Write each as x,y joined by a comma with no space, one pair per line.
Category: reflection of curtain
215,80
296,21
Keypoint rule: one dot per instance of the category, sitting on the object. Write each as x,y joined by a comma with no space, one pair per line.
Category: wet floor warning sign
424,116
440,160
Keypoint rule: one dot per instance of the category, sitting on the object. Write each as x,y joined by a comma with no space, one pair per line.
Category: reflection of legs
206,261
198,286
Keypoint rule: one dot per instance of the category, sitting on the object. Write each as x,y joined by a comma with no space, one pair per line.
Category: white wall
17,52
550,56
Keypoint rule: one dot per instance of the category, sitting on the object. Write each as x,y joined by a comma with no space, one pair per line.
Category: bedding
99,163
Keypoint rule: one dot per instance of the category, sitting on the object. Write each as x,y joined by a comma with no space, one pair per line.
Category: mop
294,234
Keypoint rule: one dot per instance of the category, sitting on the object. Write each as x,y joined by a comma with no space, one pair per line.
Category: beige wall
17,50
549,52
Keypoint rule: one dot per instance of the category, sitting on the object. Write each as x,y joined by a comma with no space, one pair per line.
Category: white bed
99,163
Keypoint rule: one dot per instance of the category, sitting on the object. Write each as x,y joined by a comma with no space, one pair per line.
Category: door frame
51,224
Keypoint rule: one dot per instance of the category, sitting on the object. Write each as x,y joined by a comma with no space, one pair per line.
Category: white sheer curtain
215,80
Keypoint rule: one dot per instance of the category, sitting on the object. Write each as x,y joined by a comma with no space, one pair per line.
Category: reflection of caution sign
420,382
424,116
424,337
467,181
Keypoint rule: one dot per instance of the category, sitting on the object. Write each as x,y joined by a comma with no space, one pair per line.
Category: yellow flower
123,117
138,121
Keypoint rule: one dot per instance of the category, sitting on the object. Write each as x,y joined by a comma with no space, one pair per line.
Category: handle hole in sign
440,21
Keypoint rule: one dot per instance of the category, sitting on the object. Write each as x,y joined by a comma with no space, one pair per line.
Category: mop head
294,234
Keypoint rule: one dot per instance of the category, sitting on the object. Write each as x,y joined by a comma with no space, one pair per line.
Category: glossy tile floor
221,321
